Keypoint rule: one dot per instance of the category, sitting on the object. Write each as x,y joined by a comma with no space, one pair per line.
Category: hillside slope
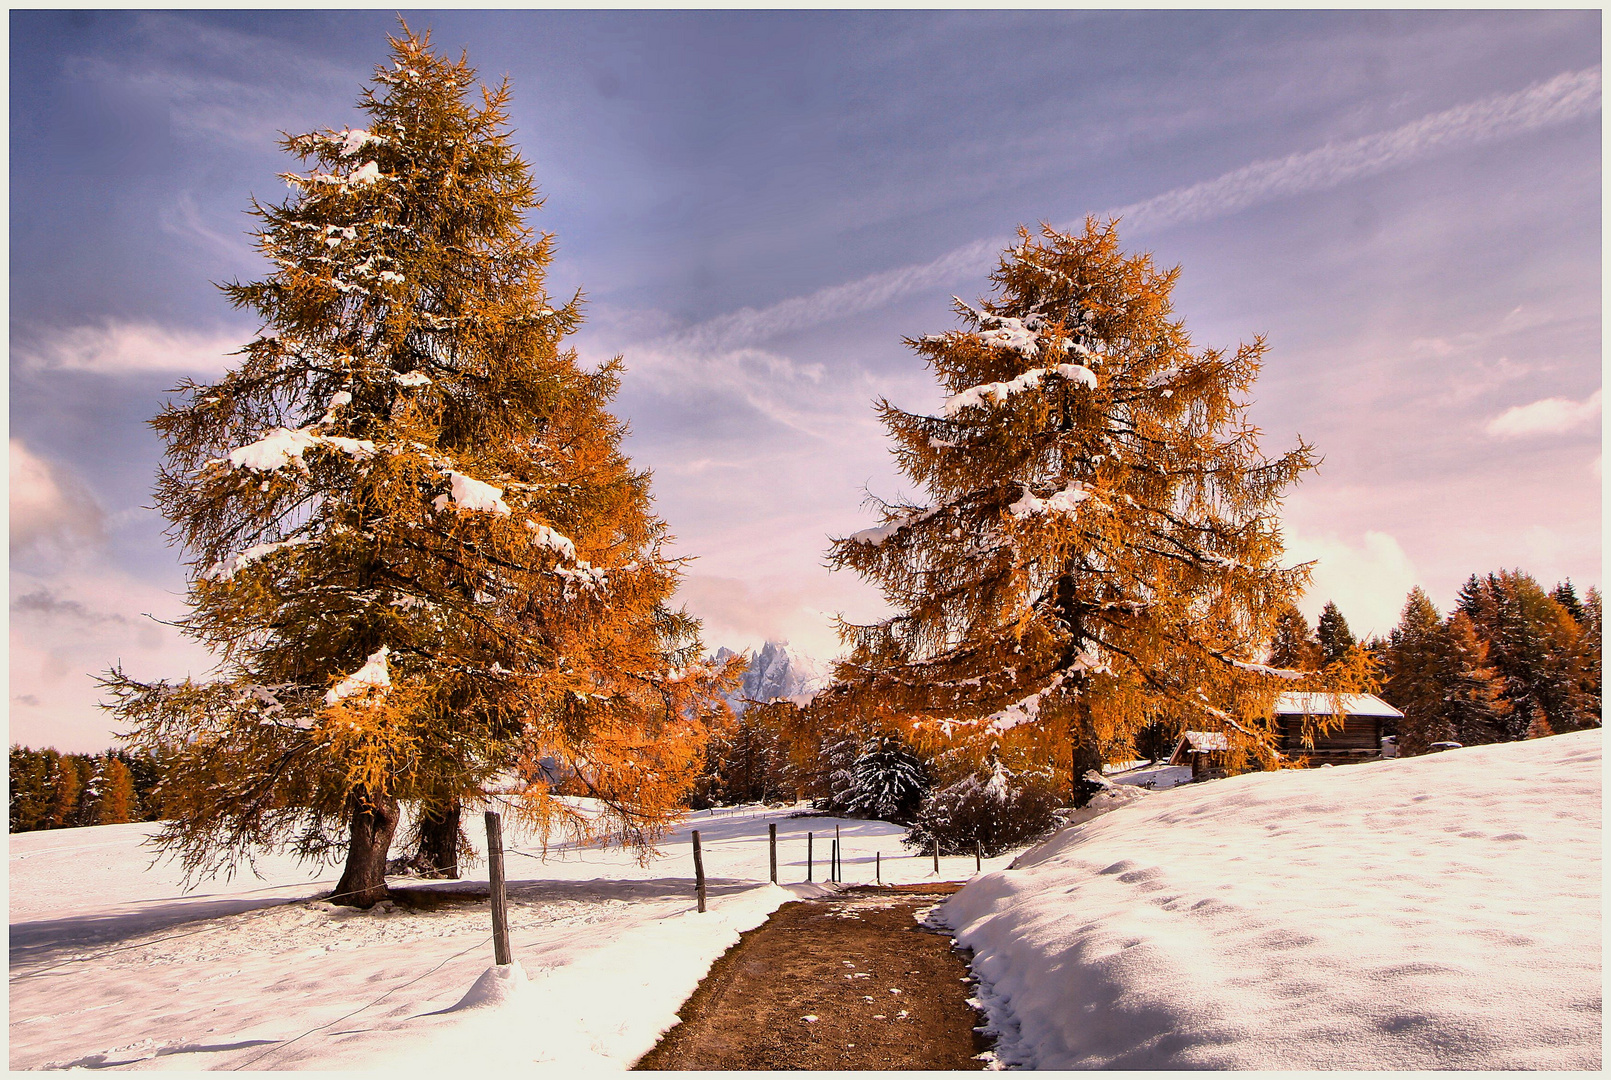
1428,913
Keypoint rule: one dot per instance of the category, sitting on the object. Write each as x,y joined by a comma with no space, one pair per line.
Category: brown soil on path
850,981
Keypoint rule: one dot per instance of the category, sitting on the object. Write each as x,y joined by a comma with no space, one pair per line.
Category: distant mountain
777,671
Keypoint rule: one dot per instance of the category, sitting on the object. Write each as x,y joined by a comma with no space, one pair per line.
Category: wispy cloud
49,504
1569,96
125,348
45,603
1551,416
219,85
184,220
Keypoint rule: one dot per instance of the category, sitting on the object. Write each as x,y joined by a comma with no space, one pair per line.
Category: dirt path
845,982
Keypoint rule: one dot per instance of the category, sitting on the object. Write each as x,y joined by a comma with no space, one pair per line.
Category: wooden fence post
978,862
699,872
772,842
838,855
808,856
878,867
833,861
500,902
936,856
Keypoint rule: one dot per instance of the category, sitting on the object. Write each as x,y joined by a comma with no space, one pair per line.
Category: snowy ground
1427,913
113,965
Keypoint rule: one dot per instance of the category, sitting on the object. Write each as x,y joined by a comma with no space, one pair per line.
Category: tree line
1511,661
52,790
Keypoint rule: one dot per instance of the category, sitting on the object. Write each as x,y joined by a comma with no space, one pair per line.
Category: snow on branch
1265,669
556,542
228,568
468,493
583,575
373,675
1060,502
350,142
363,175
997,392
877,536
284,446
1023,711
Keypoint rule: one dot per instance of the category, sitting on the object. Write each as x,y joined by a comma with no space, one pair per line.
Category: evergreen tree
30,785
1331,630
1538,648
66,784
116,804
1416,677
1473,694
94,789
1566,596
1098,548
414,541
1293,646
887,781
989,809
1589,651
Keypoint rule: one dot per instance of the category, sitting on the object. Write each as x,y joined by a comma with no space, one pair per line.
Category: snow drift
1440,912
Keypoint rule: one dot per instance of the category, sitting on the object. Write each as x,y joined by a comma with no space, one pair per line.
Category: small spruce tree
1293,645
1331,630
887,781
1417,679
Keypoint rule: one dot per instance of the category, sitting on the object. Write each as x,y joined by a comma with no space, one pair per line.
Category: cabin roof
1204,741
1301,703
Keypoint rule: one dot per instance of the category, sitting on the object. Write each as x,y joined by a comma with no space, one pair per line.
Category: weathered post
772,842
699,871
838,860
500,903
808,856
936,856
878,867
978,858
833,861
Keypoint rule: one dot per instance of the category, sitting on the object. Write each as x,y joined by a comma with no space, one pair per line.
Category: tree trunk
1086,755
372,822
1084,752
439,841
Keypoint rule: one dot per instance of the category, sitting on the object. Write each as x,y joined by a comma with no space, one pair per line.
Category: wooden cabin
1204,751
1366,719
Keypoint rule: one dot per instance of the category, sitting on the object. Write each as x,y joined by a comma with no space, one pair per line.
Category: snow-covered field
1440,912
112,964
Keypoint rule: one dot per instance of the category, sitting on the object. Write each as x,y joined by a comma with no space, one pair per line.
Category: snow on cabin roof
1300,703
1206,740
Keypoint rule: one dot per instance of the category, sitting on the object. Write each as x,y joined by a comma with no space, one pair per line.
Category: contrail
1568,96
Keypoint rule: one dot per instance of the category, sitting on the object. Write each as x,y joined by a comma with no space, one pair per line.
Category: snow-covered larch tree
1098,549
414,541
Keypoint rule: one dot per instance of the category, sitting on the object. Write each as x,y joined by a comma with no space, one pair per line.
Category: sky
760,207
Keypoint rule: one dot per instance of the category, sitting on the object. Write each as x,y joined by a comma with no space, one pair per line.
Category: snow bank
1440,912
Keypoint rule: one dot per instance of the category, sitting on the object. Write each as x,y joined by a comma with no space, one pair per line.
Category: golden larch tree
1098,549
414,542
